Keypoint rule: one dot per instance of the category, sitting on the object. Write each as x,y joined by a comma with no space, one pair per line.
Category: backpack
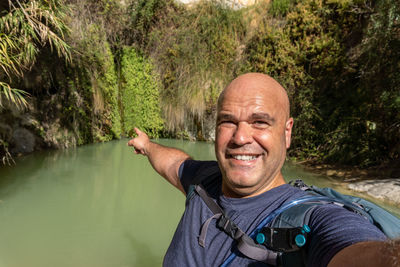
279,240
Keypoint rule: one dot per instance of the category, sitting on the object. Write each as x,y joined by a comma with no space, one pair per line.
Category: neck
240,193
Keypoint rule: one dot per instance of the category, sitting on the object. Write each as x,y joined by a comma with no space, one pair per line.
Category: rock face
38,126
24,141
202,129
387,189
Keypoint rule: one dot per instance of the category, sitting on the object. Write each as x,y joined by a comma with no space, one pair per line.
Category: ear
288,132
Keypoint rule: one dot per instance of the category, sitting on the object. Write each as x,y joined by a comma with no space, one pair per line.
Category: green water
97,205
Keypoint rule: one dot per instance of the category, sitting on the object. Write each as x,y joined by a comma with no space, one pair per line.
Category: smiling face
252,134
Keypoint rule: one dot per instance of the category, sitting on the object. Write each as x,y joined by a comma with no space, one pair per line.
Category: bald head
253,131
258,83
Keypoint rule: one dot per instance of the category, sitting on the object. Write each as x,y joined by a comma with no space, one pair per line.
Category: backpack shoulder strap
245,244
207,175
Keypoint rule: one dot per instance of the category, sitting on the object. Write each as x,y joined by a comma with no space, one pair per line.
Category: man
253,131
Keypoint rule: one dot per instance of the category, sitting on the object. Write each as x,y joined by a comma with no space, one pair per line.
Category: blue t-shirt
332,227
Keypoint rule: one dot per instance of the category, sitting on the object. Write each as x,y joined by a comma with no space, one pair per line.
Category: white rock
388,189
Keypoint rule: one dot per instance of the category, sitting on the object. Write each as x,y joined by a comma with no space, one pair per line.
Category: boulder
23,141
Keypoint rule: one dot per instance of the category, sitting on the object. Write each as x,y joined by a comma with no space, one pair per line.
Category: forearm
166,161
373,253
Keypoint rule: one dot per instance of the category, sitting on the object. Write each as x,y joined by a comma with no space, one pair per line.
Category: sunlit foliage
25,28
139,93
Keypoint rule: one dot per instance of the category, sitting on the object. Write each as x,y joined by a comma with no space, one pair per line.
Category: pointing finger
137,131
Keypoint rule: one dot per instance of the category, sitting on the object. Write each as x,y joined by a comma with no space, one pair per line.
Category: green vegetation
140,96
99,60
337,59
160,66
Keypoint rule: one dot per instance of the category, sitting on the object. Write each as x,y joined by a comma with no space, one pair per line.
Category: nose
243,134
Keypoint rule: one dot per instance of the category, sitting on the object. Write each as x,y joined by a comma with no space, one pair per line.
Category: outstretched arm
165,160
364,254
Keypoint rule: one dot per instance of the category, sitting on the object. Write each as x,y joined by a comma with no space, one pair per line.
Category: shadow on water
58,165
10,184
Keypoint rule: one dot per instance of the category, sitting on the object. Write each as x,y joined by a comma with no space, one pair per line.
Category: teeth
244,157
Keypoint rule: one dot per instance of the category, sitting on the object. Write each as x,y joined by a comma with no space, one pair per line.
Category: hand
140,142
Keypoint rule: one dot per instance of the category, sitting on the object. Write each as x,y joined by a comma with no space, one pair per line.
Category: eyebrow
225,117
262,116
254,116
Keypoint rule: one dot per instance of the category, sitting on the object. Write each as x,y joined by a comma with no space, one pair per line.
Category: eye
260,124
226,123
